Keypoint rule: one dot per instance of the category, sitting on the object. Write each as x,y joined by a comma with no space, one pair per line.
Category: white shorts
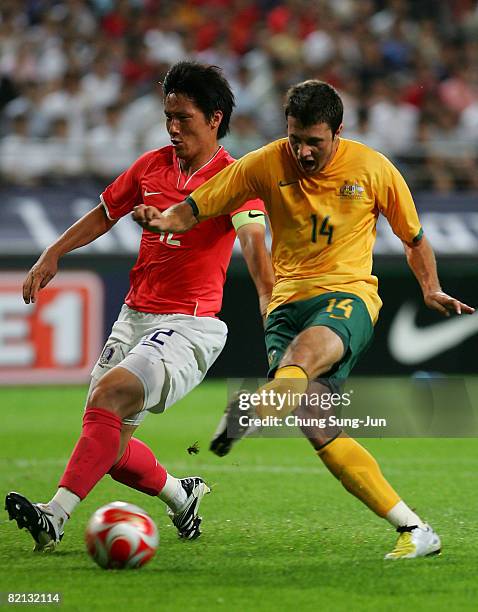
169,353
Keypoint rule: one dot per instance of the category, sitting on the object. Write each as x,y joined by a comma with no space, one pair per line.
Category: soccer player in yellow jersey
323,195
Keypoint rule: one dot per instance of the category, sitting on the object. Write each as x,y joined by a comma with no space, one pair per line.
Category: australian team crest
271,356
351,191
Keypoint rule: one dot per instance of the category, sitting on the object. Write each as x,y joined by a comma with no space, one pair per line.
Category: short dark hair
314,102
205,86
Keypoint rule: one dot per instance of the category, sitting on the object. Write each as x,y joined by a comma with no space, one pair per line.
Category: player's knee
316,350
105,396
121,398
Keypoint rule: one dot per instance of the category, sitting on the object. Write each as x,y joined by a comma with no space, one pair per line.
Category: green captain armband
418,237
248,216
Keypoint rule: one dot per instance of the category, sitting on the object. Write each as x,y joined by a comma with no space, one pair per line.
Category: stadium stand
83,75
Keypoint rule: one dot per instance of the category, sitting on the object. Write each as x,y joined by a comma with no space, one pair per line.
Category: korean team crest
106,355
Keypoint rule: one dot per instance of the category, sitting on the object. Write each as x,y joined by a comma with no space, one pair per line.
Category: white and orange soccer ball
121,536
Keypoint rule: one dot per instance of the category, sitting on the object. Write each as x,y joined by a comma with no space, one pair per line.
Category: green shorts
344,313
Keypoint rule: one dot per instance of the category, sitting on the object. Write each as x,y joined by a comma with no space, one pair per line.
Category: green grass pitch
279,532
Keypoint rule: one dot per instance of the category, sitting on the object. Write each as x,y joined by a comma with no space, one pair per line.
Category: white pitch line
183,466
266,469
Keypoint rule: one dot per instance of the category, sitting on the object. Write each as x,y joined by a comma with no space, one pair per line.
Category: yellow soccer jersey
322,225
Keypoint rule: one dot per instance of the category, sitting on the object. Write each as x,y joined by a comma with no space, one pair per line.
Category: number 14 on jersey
325,228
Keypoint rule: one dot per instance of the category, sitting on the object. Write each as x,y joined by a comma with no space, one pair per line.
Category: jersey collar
177,164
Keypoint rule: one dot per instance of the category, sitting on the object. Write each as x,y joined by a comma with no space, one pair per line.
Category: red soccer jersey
175,273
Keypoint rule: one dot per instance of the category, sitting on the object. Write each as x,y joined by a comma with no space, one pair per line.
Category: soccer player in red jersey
167,335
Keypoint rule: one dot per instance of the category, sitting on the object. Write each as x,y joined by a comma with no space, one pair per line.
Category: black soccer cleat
230,429
186,520
35,518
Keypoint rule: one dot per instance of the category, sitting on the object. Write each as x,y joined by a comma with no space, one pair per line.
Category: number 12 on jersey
169,239
325,229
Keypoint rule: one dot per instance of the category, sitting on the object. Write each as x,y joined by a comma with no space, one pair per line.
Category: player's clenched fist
178,218
39,276
148,217
144,214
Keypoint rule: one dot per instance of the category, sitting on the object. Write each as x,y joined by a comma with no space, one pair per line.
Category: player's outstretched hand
39,276
445,304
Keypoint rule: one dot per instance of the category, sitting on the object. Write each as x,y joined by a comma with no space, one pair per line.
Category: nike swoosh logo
148,193
284,183
410,344
253,216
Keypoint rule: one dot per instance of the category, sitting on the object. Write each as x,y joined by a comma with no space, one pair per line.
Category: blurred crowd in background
79,92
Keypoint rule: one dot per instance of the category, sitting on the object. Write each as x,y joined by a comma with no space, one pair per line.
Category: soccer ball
121,536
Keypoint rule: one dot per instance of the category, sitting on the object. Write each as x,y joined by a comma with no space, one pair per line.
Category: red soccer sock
94,453
139,469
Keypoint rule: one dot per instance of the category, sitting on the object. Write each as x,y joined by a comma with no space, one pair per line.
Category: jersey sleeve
396,202
230,190
124,193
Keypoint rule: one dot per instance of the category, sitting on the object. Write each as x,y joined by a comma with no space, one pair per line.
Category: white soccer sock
66,500
403,516
173,493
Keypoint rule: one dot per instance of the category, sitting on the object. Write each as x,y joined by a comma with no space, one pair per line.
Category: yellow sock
359,473
291,371
289,383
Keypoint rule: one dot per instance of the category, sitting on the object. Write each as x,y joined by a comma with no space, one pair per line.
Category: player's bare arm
421,259
177,219
254,250
91,226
